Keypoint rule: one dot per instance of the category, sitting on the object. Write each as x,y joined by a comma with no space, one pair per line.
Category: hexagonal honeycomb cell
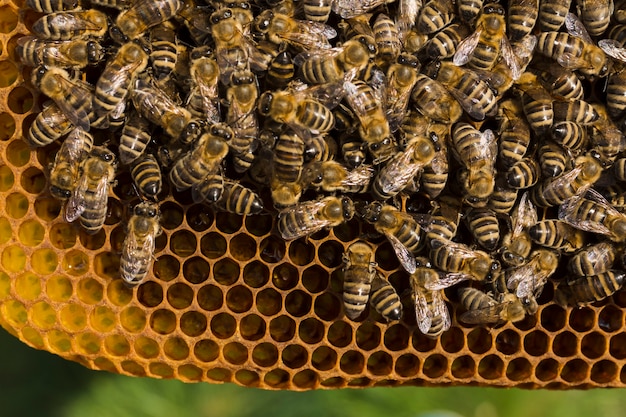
228,300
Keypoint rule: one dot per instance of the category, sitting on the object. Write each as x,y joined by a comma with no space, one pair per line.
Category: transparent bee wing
515,276
315,38
76,204
487,314
397,104
562,181
510,58
331,53
447,280
470,105
465,49
406,258
210,99
525,216
74,147
568,212
309,211
576,28
571,61
613,49
329,94
352,8
139,253
78,108
423,314
408,11
359,176
440,309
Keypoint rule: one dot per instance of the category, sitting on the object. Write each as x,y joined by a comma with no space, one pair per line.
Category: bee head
265,103
263,22
369,212
347,207
220,15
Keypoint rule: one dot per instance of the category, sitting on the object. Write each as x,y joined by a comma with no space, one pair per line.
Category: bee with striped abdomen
138,248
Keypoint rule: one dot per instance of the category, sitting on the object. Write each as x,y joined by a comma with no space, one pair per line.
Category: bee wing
488,314
360,175
331,53
515,276
447,280
317,27
76,204
210,189
329,94
210,99
470,105
576,28
465,49
571,61
562,181
526,215
439,163
306,39
352,8
406,258
423,314
77,110
307,210
510,58
440,309
408,11
613,49
567,212
146,96
397,103
402,168
141,254
73,146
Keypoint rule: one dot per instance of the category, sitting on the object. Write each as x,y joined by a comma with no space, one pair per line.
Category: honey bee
570,135
431,311
68,25
164,54
562,83
483,224
553,160
309,217
573,50
402,231
141,16
352,151
514,133
73,97
203,159
65,169
586,290
524,173
469,10
203,99
433,100
536,102
146,174
401,78
592,213
517,244
477,151
406,17
359,270
485,309
435,174
473,94
242,96
522,18
595,15
503,197
434,16
88,202
605,138
552,14
482,49
51,6
317,10
387,38
556,234
300,34
332,176
156,106
615,91
460,263
348,9
442,222
577,111
396,174
593,259
138,248
528,280
281,70
134,139
320,148
75,54
287,163
49,125
117,78
227,195
385,299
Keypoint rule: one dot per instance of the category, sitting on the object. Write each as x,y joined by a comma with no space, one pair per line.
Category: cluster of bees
483,141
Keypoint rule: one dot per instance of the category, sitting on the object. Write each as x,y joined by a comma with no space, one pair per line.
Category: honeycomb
227,300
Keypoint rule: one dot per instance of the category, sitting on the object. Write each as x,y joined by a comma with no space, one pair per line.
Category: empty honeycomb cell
582,319
298,303
226,271
219,374
603,372
193,323
48,209
575,370
269,302
92,242
380,363
118,293
183,243
435,366
491,367
31,233
252,327
161,370
453,340
223,325
116,239
264,354
213,245
282,328
324,358
256,274
190,373
285,276
547,369
610,319
73,317
33,337
62,236
347,231
8,19
172,215
247,378
75,262
117,345
617,346
593,345
529,323
386,257
368,336
239,299
7,126
59,342
59,288
396,337
42,315
301,252
242,247
479,340
7,179
277,378
198,218
421,343
619,298
5,285
104,364
259,225
6,231
340,334
20,100
146,347
536,343
311,330
107,265
519,369
102,319
163,321
508,342
180,296
463,367
133,368
88,343
33,181
18,153
210,297
228,222
124,188
294,356
321,235
16,205
13,258
133,319
89,291
8,73
335,382
407,365
14,312
196,270
327,306
150,294
553,318
176,349
206,350
272,249
166,267
565,344
330,254
315,279
44,261
27,286
115,212
352,362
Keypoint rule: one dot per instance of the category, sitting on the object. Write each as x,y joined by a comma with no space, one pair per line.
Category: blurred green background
37,383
